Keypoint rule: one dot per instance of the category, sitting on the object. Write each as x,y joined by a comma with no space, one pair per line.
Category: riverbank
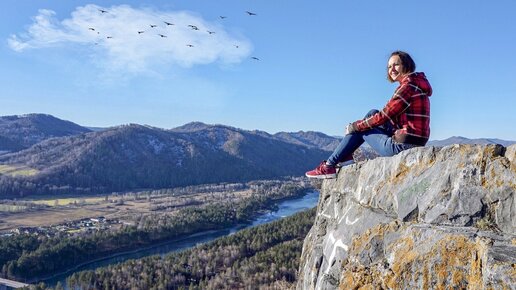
43,256
283,207
49,280
261,255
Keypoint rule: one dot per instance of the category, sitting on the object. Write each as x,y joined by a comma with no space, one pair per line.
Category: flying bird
168,23
102,11
153,26
223,17
250,13
162,35
193,27
255,58
140,32
91,28
210,32
109,37
236,46
189,45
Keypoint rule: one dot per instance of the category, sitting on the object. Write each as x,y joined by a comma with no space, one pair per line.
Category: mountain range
19,132
43,154
136,156
463,140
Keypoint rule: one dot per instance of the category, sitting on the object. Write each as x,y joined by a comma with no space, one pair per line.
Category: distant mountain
193,127
463,140
135,156
96,128
327,143
320,140
310,139
49,155
22,131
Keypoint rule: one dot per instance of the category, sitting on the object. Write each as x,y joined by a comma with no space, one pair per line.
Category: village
69,228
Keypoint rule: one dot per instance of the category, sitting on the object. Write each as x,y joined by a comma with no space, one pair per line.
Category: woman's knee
372,112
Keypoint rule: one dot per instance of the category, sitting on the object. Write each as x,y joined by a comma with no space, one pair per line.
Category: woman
402,124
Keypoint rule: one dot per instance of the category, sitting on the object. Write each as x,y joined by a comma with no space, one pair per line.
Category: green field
12,208
69,200
17,170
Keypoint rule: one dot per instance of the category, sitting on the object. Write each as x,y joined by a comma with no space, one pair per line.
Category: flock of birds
191,26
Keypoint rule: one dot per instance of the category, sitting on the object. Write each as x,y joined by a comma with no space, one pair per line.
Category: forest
265,256
132,157
25,256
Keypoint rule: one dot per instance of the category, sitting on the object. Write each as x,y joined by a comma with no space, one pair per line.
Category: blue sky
321,64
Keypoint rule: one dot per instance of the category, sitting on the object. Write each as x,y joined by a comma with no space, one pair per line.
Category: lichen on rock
427,218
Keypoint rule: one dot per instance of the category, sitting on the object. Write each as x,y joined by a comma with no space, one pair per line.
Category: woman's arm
399,102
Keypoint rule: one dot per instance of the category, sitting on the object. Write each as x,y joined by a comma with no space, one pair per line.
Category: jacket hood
418,79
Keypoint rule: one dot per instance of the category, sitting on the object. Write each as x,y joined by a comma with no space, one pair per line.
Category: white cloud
116,44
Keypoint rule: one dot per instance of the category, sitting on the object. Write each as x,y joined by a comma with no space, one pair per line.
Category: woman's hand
350,129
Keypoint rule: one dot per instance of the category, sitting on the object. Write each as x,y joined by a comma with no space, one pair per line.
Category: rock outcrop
427,218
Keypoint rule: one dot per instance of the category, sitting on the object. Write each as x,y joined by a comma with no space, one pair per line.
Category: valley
94,227
48,211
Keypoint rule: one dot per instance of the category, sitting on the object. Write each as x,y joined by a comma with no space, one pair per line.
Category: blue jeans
379,138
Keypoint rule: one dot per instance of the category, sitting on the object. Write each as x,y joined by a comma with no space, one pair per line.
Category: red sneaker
322,171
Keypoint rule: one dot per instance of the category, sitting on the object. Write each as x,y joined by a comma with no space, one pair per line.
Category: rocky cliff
427,218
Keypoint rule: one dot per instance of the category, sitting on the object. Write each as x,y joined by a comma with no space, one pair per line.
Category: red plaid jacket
408,111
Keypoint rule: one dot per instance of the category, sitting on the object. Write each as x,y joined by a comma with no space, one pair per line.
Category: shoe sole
326,176
345,163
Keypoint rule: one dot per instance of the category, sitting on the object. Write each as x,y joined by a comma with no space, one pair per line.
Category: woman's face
395,68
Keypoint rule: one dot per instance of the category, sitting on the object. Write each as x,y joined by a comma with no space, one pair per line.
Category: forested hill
22,131
262,257
135,156
311,139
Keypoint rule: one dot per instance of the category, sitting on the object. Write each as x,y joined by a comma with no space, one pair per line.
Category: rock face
427,218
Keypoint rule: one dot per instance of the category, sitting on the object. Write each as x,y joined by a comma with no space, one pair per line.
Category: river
285,208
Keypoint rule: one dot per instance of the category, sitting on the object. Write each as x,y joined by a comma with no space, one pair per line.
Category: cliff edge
427,218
